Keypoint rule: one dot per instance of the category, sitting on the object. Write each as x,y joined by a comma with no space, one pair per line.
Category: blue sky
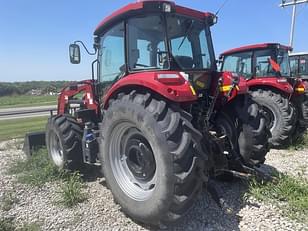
35,34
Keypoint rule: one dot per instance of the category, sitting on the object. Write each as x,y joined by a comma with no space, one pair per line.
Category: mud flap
33,141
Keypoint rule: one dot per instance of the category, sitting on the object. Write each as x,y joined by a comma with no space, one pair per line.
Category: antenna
222,6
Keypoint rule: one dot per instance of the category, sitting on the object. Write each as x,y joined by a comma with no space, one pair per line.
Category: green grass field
27,100
17,128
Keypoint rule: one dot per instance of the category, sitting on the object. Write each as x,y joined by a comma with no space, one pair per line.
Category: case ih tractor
299,65
266,70
158,117
299,68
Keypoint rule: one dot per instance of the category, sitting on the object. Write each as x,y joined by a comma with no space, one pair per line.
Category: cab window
240,63
112,54
263,65
146,44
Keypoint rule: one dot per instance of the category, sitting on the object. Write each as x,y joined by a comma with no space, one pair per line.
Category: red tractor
299,65
299,68
266,70
158,117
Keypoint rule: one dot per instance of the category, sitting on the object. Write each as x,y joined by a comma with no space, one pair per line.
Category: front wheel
149,158
254,134
63,141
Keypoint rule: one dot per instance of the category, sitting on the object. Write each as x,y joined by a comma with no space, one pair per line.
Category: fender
280,84
227,85
172,85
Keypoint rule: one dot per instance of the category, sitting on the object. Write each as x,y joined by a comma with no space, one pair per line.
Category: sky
35,34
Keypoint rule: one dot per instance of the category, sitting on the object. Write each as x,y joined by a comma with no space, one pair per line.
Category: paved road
25,112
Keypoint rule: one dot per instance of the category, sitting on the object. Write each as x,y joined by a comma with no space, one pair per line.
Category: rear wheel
63,140
304,107
281,116
150,158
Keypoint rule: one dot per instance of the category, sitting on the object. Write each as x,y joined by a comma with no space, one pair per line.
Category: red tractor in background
158,117
299,68
266,70
299,65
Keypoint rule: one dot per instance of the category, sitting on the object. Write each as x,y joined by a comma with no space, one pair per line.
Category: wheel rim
132,161
271,119
224,128
56,150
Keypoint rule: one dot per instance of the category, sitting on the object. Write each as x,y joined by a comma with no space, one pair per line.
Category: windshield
190,43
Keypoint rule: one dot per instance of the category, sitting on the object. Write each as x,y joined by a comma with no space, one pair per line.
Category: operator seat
185,62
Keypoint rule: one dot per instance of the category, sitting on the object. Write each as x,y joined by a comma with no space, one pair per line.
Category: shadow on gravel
205,214
91,173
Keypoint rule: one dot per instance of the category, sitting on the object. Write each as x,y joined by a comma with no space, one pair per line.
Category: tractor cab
153,44
299,65
264,64
258,61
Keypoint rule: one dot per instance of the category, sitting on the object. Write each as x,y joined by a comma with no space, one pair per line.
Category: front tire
253,134
63,141
149,158
245,126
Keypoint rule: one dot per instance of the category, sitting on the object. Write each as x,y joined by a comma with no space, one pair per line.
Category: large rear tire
304,107
63,140
149,158
281,116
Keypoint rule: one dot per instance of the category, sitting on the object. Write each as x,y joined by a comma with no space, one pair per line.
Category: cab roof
146,6
255,47
298,53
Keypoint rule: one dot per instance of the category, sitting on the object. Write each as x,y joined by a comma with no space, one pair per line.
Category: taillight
300,88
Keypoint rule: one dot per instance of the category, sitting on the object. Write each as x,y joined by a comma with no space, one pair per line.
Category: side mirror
74,51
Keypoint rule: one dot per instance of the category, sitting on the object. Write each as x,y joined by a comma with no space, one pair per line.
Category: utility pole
293,3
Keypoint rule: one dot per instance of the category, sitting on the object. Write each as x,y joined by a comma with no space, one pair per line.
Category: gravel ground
99,212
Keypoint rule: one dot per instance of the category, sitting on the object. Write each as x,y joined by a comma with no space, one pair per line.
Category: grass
17,128
29,227
9,225
8,200
71,191
27,101
301,143
38,170
288,193
6,224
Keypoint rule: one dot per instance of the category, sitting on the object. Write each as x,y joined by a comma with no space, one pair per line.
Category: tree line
22,88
